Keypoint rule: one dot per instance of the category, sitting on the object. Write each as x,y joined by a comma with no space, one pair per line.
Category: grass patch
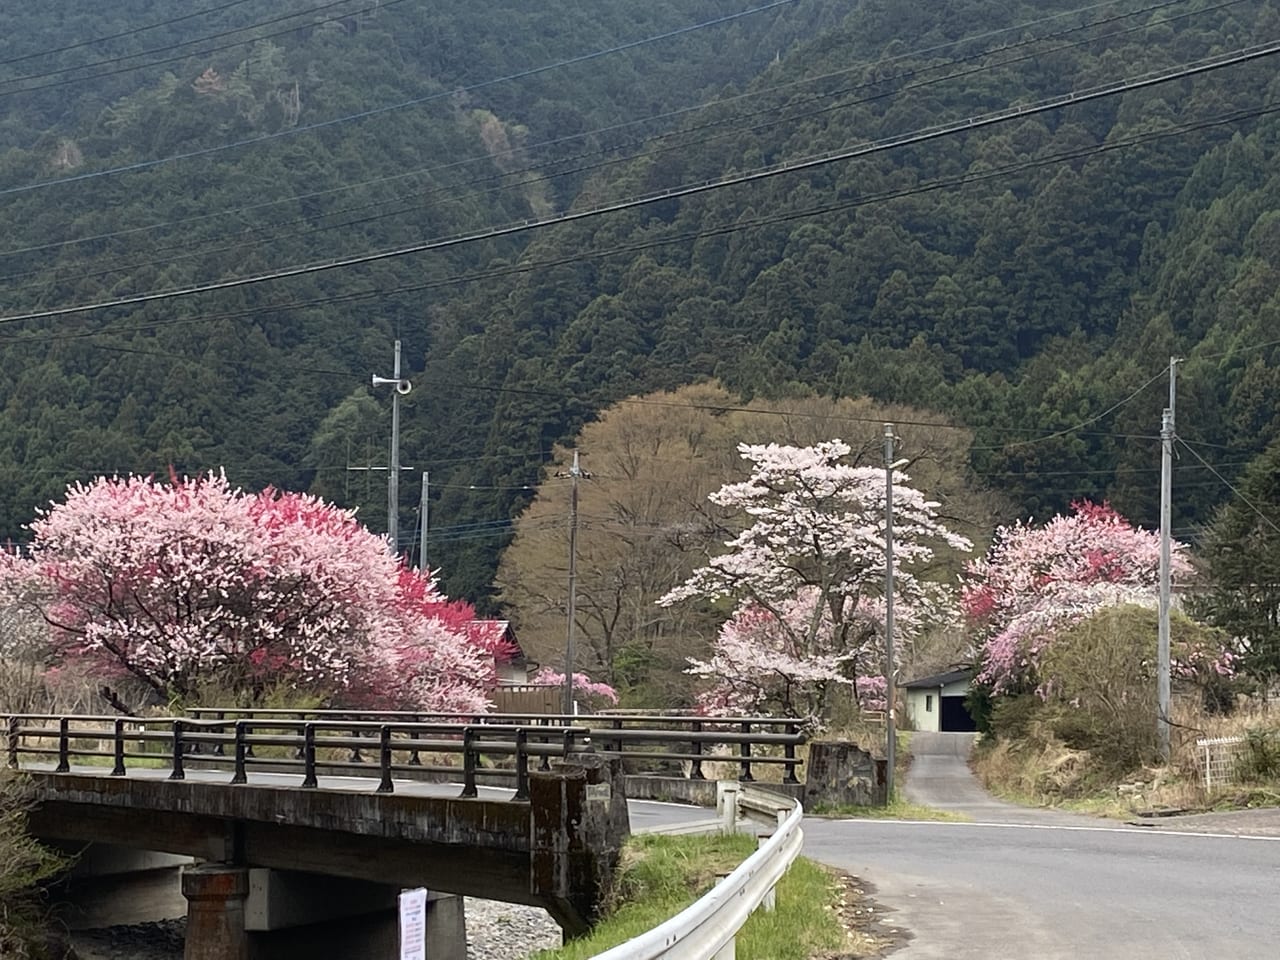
899,809
660,876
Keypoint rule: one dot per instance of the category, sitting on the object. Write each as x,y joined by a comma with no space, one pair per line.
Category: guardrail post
695,767
117,744
64,747
179,773
309,756
242,753
12,762
789,751
384,759
744,751
522,764
770,901
469,763
727,805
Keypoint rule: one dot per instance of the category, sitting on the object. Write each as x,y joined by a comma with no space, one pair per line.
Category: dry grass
1042,771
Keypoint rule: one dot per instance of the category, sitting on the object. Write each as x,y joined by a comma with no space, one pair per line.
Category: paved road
1045,885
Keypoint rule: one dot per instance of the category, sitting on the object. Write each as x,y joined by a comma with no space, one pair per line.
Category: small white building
937,703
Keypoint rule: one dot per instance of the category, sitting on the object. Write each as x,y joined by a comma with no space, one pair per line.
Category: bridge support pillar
578,825
215,895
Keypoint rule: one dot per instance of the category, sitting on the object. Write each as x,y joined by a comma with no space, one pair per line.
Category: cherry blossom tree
806,575
1035,582
179,583
594,692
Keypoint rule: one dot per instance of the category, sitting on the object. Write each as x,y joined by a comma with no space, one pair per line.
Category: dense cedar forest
1020,278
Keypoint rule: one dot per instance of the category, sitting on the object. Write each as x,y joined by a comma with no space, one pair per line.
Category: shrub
24,865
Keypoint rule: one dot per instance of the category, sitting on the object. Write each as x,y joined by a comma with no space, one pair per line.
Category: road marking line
1141,831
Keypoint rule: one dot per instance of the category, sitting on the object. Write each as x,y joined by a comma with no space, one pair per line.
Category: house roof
496,632
941,679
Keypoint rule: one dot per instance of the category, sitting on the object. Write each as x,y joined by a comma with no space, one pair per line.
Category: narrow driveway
1020,883
940,777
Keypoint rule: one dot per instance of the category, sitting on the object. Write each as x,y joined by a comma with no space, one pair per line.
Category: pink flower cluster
1035,581
189,580
593,691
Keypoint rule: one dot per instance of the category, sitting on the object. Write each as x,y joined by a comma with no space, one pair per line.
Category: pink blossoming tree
806,575
179,583
1035,582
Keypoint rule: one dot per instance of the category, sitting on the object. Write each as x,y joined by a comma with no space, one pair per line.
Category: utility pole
1163,696
574,473
891,745
422,525
402,387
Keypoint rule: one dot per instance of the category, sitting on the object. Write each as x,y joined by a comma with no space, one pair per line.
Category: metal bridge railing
400,744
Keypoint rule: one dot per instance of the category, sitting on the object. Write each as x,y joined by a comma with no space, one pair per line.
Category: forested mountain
1021,277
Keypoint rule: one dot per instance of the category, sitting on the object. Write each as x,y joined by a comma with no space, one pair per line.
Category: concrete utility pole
891,737
422,525
402,387
574,473
1163,695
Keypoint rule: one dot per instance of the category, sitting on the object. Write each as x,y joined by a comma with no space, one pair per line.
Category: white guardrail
707,929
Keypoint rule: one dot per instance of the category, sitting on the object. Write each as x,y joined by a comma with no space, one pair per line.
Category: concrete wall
922,718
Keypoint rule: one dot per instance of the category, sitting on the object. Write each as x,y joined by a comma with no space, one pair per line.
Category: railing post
695,768
178,772
414,759
384,759
356,755
64,747
789,751
117,744
309,756
221,717
12,762
545,763
469,763
239,775
522,764
744,751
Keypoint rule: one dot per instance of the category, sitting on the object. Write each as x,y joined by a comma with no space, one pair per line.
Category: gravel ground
507,931
495,931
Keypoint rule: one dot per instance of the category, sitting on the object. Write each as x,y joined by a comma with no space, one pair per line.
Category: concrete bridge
288,841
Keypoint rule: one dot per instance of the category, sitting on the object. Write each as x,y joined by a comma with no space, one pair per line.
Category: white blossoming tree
806,577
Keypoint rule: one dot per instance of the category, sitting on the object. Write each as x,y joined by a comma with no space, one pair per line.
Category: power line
182,43
1106,147
123,33
1243,499
737,226
1234,58
204,249
601,130
388,108
1092,420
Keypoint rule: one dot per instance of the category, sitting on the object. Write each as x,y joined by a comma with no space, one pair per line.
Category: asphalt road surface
1020,883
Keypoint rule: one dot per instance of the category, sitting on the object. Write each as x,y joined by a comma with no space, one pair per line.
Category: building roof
941,679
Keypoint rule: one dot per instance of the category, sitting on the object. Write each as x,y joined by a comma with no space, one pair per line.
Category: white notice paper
413,924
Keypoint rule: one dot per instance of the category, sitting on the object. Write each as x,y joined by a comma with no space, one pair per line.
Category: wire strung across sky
240,243
522,180
954,128
388,108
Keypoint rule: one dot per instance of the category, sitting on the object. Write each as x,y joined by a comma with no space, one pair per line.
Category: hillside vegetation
1018,279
